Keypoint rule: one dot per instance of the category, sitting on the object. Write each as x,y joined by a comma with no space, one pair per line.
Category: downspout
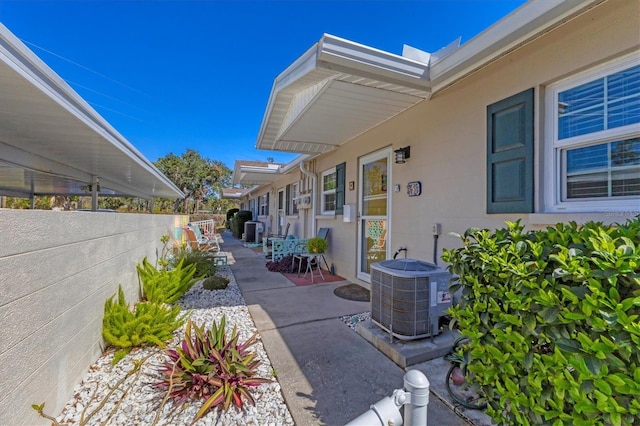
314,180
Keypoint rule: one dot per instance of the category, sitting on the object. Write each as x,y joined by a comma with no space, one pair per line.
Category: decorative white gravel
353,320
136,401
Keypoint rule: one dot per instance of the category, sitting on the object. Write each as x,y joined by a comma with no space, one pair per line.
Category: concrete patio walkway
329,374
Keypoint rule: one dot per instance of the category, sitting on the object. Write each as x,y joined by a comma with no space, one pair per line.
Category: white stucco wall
56,271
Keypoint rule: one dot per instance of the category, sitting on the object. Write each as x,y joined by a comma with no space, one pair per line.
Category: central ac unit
408,297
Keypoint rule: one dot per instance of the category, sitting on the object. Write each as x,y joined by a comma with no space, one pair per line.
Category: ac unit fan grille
403,303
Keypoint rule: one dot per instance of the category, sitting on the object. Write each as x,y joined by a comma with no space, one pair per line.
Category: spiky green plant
209,365
148,324
202,260
166,286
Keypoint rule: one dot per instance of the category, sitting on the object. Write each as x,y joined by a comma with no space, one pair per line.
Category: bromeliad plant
209,365
166,286
149,324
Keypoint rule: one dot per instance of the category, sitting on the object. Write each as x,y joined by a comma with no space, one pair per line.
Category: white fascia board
523,24
29,66
345,56
255,169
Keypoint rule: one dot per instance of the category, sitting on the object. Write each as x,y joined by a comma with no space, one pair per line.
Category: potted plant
317,245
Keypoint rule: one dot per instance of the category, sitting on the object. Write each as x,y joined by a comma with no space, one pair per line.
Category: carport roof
52,142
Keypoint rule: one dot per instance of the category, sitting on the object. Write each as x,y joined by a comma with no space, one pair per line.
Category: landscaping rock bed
126,394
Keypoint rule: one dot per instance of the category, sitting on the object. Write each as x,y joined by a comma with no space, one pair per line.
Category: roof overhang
233,193
525,24
340,89
52,142
255,172
336,91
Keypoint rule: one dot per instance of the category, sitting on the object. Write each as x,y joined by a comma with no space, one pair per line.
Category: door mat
353,292
328,278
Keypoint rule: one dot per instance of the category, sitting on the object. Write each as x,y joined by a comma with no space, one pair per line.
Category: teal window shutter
340,178
510,154
287,198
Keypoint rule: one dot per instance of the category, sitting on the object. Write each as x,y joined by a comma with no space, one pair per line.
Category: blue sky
172,75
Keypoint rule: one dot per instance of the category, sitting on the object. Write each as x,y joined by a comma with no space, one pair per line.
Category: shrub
201,259
209,365
552,318
230,214
165,286
149,324
317,245
215,283
237,223
283,265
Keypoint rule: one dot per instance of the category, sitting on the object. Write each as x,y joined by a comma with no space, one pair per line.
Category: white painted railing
207,227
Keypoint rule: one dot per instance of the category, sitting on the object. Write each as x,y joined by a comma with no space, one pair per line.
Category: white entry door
374,179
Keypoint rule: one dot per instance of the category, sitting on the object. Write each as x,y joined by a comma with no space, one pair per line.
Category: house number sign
414,189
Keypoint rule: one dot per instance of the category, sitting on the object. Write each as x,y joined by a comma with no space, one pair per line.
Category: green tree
198,177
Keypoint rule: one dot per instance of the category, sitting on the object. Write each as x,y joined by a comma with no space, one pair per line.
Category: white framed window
263,202
295,193
592,149
328,193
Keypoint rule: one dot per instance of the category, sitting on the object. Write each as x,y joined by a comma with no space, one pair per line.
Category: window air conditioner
303,201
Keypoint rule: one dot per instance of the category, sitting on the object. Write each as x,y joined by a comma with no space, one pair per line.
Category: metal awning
52,142
255,172
337,90
233,193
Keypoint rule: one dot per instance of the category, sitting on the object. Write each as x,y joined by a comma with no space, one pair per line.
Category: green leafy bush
209,365
215,283
166,286
202,260
148,324
230,214
238,220
317,245
553,318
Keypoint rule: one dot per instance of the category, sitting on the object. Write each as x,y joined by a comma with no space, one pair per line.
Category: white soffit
53,143
336,91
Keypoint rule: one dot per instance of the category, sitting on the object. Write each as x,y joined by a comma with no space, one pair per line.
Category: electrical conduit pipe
314,181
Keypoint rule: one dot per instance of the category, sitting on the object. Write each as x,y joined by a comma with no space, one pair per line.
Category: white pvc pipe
314,180
417,384
384,412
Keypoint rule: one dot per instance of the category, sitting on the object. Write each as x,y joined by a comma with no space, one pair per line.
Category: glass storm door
281,212
374,179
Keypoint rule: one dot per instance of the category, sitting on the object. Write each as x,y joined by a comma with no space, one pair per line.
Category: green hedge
238,220
553,321
230,214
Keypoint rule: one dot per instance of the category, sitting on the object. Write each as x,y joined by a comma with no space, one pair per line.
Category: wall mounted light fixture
402,154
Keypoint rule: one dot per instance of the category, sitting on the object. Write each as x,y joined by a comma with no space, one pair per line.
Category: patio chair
194,244
267,242
301,249
200,237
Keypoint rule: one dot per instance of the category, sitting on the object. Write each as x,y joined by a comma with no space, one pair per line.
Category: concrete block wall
56,271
